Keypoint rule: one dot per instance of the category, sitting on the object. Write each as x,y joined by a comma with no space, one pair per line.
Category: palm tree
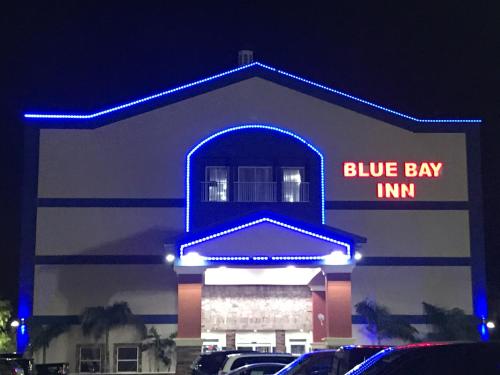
450,324
42,334
162,347
382,324
99,320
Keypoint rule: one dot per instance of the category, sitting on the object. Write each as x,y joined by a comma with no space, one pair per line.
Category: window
255,184
215,189
90,358
127,358
293,187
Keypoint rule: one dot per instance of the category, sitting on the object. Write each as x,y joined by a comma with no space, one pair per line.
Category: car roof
259,355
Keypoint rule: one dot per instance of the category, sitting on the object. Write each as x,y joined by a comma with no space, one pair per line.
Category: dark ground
424,59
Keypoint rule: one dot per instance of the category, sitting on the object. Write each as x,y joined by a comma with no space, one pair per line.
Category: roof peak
255,64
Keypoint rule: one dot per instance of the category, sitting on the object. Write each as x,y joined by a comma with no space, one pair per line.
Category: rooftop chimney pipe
245,57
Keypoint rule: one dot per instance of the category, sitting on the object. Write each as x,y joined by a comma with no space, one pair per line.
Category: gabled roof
319,231
267,239
105,116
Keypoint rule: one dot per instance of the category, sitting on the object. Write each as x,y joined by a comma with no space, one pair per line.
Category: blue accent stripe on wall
415,261
476,226
28,230
75,319
180,202
110,202
100,259
397,205
159,259
172,319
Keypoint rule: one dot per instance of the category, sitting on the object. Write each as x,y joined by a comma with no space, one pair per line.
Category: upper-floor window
255,184
89,358
216,184
293,186
127,358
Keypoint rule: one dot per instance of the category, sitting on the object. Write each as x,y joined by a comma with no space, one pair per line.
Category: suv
434,359
235,361
330,362
211,363
15,364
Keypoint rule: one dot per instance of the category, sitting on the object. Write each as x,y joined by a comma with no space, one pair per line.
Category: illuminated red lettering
391,169
410,169
349,169
436,168
361,170
408,190
425,170
376,169
397,190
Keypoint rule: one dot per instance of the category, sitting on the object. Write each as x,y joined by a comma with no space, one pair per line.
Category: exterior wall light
170,258
14,324
336,258
490,324
192,259
358,256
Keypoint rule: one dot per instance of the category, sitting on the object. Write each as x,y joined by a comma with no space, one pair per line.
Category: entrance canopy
266,239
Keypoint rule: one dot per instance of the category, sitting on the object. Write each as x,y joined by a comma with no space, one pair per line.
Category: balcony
295,191
255,191
214,191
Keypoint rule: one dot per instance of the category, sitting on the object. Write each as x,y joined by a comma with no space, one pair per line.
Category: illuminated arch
243,127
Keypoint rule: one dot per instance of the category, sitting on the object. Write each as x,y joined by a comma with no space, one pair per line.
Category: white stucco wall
106,230
144,156
400,233
403,289
69,289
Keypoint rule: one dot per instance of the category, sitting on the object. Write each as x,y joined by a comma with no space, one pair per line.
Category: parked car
258,369
61,368
330,362
434,359
15,364
211,363
235,361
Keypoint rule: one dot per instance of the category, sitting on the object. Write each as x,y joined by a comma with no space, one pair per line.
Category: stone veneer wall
260,307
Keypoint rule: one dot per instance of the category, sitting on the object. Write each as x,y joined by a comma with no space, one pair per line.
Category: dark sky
429,60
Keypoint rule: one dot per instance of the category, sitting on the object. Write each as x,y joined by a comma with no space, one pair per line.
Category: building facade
279,202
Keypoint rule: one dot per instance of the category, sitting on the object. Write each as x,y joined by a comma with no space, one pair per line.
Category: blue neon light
228,72
242,127
264,258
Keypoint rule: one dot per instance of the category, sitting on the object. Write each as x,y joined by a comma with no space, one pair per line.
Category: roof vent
245,57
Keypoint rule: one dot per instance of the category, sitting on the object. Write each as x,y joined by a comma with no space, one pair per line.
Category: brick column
188,341
189,306
280,341
318,314
338,309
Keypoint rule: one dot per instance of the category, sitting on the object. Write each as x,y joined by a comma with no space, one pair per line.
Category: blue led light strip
228,72
242,127
272,221
261,258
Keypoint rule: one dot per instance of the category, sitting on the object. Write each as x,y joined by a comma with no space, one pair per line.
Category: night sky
426,60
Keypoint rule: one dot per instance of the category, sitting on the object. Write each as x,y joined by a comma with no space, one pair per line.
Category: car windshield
315,363
375,362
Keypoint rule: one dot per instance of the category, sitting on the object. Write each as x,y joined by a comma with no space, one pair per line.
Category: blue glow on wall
243,127
22,336
200,259
75,116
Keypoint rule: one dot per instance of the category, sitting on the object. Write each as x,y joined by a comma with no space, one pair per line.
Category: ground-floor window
127,358
89,358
